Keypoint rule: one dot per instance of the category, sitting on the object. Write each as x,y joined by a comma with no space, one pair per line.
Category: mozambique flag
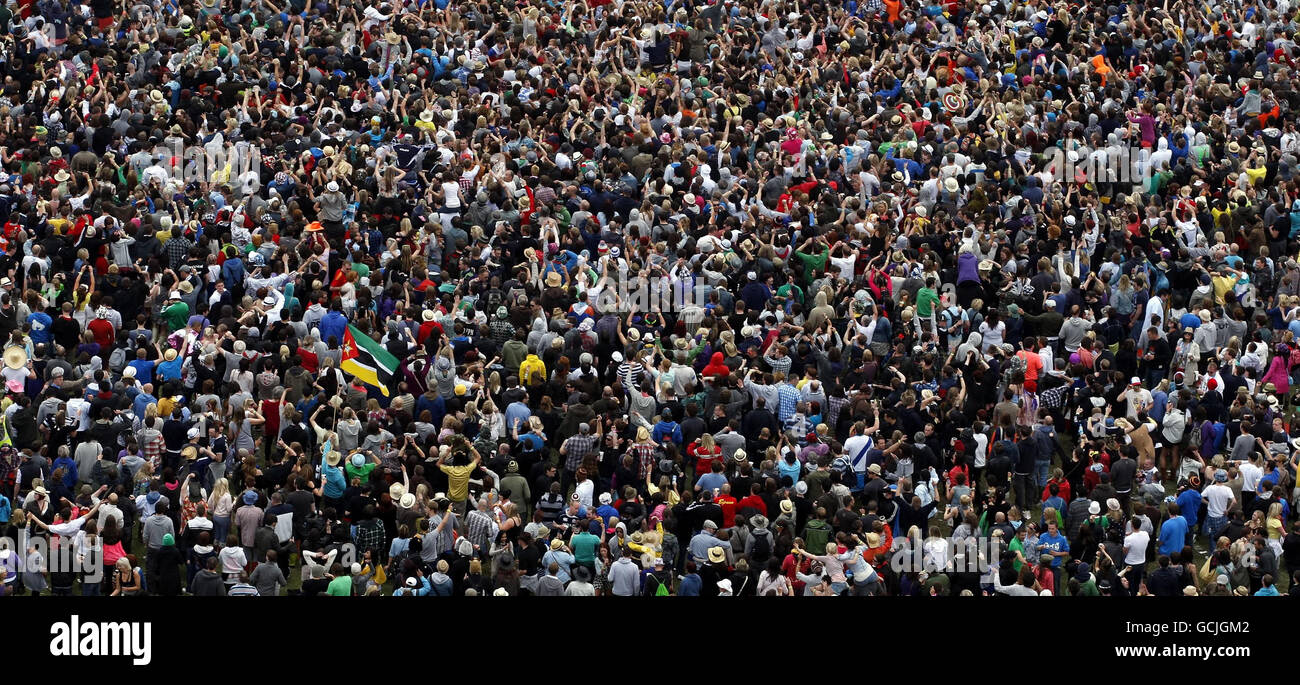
367,360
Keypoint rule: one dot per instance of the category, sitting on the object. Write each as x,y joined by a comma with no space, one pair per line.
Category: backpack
660,590
816,534
844,465
762,550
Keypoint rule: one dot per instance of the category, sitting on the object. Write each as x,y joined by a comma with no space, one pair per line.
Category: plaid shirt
788,398
478,528
177,250
575,448
370,534
834,406
644,453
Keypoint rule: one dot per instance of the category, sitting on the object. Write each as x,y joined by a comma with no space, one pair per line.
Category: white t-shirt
1135,546
584,490
855,445
1137,398
1218,498
1250,476
981,450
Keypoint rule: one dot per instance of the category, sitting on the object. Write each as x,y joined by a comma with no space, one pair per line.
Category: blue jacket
424,589
333,324
232,272
667,430
69,471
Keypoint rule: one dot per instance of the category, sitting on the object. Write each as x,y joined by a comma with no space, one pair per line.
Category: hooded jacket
208,584
532,370
717,365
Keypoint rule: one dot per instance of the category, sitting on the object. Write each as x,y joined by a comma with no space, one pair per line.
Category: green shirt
926,298
340,587
176,316
790,290
813,263
363,473
1016,546
584,547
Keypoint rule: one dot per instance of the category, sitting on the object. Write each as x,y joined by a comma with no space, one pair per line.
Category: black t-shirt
278,474
301,501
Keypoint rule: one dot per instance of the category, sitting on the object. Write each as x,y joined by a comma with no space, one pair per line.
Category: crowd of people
618,297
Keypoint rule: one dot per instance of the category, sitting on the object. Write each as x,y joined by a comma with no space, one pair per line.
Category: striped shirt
630,375
151,447
550,507
242,590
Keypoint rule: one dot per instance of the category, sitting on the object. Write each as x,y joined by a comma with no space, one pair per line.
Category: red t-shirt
271,412
103,331
728,504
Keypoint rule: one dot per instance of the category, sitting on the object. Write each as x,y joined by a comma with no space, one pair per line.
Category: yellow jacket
532,370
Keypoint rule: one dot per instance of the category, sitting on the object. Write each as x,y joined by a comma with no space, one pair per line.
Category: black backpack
762,549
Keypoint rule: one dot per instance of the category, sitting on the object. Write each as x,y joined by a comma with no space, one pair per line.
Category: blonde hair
219,489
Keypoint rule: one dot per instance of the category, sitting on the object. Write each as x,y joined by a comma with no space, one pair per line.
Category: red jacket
752,502
1063,489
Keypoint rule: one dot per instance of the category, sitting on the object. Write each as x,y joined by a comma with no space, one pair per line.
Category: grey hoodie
208,584
972,344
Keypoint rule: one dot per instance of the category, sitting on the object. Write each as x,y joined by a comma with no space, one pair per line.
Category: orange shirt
894,8
1033,365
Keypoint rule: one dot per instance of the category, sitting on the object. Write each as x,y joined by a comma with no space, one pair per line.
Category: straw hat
15,357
